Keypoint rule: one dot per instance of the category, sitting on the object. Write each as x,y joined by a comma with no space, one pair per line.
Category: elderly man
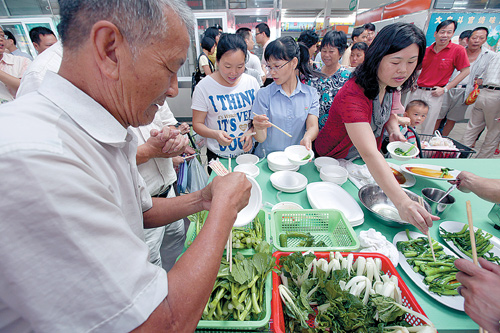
73,253
12,69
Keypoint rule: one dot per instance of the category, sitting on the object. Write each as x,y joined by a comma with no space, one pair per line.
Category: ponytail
286,48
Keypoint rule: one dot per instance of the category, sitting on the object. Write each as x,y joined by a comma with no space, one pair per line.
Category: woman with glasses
361,112
333,46
287,102
222,101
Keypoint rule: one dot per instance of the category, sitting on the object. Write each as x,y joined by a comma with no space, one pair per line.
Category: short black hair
211,32
465,34
416,102
10,35
481,28
356,32
447,23
308,37
244,32
37,31
359,46
263,27
207,43
336,39
230,42
369,26
391,39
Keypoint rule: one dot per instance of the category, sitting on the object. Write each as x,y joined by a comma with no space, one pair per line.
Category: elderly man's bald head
139,21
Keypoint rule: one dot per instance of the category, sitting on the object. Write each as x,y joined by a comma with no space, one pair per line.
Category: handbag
473,94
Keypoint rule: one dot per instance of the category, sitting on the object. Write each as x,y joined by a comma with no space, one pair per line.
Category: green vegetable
308,156
462,241
239,295
445,172
306,240
438,275
401,152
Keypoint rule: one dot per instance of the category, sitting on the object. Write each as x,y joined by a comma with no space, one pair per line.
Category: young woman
208,48
358,51
333,46
222,101
362,110
287,103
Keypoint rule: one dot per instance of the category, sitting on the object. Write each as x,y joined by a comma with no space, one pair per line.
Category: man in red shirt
440,59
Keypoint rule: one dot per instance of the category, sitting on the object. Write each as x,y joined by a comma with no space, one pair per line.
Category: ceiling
340,8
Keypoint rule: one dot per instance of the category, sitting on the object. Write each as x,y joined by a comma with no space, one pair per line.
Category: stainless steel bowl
432,196
375,200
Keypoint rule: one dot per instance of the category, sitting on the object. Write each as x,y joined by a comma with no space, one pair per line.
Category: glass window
207,4
28,7
260,3
22,40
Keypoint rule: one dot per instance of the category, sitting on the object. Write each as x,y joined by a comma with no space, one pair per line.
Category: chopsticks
286,133
244,134
473,242
221,170
421,202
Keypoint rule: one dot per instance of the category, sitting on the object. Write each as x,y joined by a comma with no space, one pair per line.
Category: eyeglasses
276,68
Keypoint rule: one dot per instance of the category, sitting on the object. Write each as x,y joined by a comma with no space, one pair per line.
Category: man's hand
184,128
227,192
438,92
166,143
481,290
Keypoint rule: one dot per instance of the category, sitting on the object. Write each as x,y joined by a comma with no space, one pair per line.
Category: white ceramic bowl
288,181
247,159
247,214
404,146
249,169
334,174
298,154
278,161
286,205
322,161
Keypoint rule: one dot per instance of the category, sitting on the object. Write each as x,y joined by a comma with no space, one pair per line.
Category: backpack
197,75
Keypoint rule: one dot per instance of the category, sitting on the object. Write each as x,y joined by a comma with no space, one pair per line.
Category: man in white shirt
252,64
73,252
11,45
262,37
42,38
12,69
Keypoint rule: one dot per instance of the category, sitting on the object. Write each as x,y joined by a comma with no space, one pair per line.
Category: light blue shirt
287,112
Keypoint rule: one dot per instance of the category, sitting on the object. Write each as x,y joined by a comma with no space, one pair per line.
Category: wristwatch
445,89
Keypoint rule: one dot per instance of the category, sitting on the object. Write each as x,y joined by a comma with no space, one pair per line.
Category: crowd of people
94,245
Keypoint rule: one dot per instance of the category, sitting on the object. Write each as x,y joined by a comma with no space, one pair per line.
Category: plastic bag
182,178
197,177
473,94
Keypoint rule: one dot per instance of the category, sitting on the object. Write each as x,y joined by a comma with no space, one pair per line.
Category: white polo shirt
15,66
71,234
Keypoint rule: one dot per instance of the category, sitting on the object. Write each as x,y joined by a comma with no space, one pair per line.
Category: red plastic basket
278,320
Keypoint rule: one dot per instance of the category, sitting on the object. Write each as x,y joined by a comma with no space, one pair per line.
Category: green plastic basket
191,233
261,324
327,225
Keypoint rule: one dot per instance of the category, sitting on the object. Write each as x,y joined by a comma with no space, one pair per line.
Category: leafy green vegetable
401,152
445,172
306,240
308,156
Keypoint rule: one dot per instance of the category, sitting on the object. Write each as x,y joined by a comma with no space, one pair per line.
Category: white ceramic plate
325,195
406,168
247,214
288,181
454,302
452,226
410,179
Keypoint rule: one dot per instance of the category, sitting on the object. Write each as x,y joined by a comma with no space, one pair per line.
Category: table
445,319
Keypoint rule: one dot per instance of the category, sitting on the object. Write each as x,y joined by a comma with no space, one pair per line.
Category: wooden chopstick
244,134
421,202
286,133
473,243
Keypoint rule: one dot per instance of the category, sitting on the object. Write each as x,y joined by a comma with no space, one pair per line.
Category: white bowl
298,154
322,161
404,146
288,181
334,174
278,159
247,159
247,214
249,169
276,169
286,205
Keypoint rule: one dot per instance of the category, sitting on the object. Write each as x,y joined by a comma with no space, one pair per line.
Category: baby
415,114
